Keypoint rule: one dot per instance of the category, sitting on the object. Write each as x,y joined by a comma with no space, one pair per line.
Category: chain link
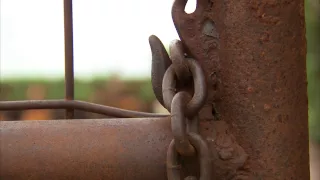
179,123
169,88
176,51
204,155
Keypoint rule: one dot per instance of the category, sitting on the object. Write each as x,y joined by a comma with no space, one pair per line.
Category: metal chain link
176,51
174,167
179,123
200,89
184,110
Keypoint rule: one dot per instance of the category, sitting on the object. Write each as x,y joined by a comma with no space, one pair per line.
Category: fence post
256,64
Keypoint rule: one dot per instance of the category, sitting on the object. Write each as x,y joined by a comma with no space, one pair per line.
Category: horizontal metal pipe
110,149
73,104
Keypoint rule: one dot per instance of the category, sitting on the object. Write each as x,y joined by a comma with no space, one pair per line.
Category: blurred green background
312,13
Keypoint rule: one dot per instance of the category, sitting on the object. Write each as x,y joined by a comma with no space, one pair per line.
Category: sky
110,36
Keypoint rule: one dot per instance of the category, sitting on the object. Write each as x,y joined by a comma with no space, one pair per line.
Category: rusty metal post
264,87
68,48
254,55
110,149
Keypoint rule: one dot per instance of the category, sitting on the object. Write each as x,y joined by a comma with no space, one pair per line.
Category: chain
176,51
179,85
184,102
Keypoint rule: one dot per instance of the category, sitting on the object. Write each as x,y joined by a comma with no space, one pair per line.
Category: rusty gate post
254,55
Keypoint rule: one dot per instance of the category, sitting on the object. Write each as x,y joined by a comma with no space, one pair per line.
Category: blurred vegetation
112,91
16,89
312,14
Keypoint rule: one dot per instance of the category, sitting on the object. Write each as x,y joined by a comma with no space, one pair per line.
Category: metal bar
256,77
68,41
110,149
261,81
73,104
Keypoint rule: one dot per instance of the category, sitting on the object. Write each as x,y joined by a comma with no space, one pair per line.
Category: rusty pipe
110,149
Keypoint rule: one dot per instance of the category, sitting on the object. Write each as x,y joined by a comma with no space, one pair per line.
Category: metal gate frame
69,104
92,136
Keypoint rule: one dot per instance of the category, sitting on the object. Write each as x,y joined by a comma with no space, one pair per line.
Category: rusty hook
160,63
189,26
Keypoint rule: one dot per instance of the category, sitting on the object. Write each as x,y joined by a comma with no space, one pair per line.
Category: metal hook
160,63
189,26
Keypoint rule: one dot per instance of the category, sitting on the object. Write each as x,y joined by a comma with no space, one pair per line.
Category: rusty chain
183,100
184,111
180,97
183,92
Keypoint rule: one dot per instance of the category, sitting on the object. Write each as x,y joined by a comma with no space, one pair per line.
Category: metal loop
204,155
200,88
177,57
179,124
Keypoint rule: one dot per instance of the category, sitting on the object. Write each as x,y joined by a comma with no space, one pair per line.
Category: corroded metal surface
190,27
110,149
106,149
253,53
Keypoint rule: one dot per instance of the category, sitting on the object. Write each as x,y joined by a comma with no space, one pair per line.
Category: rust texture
106,149
253,53
68,48
110,149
